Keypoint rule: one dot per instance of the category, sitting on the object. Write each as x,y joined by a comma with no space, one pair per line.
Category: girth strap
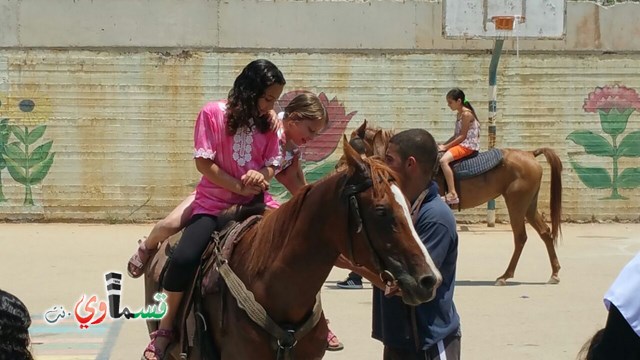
285,340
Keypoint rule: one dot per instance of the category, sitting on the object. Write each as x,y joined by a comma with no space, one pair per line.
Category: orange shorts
459,152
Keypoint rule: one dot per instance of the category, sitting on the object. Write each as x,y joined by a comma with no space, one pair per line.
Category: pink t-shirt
247,150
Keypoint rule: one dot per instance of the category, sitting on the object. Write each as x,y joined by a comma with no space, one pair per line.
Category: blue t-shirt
420,327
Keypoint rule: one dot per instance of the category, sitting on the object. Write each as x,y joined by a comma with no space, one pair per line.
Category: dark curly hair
456,94
14,328
249,86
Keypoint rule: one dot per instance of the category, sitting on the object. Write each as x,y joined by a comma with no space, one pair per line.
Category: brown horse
285,258
517,179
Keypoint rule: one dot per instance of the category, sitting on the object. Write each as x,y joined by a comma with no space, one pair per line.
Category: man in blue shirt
430,331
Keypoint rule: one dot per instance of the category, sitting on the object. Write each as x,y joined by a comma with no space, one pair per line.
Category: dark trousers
446,349
186,256
618,341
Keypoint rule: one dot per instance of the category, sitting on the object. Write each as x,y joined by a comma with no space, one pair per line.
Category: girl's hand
442,148
250,190
254,178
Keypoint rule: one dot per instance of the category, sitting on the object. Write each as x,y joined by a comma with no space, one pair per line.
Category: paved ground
54,264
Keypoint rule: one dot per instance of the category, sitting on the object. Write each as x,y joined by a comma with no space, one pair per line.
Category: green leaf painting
614,105
27,167
630,145
593,144
4,139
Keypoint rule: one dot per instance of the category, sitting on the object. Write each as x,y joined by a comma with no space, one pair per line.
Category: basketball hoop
506,25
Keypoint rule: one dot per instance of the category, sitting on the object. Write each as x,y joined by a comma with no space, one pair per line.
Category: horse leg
516,219
536,220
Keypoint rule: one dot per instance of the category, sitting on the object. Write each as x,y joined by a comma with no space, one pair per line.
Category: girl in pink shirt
236,149
301,121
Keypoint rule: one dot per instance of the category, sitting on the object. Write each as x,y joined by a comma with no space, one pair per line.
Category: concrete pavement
49,265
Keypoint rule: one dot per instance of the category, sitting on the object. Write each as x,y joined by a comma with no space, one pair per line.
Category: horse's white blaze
401,200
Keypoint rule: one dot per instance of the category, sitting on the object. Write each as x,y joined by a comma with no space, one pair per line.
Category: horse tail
556,189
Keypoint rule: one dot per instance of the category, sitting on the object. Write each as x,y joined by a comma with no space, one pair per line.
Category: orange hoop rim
506,22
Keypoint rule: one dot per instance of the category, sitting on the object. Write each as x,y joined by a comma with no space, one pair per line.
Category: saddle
474,165
191,321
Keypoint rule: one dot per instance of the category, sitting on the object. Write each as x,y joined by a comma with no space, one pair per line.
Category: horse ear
361,131
354,160
368,150
379,144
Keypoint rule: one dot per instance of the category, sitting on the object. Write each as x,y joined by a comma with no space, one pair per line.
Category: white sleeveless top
625,293
472,141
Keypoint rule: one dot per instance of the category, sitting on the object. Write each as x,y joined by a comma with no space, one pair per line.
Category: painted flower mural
614,104
26,161
316,152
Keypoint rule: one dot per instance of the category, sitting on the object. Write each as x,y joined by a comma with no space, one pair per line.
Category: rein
286,339
351,192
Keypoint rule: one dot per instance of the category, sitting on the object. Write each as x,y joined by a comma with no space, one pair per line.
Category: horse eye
381,211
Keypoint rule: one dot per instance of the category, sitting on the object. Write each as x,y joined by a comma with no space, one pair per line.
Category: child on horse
301,121
236,150
464,142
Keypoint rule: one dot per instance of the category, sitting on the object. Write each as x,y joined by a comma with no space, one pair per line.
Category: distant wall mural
24,154
614,104
101,135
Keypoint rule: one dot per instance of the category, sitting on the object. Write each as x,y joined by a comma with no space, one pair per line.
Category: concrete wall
108,91
121,123
285,24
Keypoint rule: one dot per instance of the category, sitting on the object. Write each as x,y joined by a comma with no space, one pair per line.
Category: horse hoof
554,279
501,282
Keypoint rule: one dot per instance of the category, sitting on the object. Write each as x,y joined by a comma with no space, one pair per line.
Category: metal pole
493,106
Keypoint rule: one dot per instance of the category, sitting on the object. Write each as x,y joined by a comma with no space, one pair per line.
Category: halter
351,192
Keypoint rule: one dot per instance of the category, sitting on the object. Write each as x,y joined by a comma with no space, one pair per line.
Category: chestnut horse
517,179
285,258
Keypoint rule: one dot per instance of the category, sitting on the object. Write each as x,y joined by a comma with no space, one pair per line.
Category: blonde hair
306,106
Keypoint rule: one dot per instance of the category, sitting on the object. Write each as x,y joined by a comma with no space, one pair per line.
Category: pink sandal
333,344
451,200
138,260
152,349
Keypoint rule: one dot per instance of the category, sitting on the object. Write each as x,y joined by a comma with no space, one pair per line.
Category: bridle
356,221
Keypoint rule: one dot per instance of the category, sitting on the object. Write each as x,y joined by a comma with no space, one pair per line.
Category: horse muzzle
416,291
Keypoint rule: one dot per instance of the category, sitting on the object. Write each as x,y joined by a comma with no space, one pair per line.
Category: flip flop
333,344
450,201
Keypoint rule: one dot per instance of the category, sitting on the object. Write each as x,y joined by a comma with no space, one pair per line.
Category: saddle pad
479,164
227,238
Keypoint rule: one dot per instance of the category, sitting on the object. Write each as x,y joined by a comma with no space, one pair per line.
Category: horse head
382,236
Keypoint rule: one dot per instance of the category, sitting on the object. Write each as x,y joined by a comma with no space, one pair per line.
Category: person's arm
258,178
213,173
292,178
268,172
467,119
374,278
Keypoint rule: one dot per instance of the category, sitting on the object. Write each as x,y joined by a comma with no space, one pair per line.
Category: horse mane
370,132
275,227
272,229
381,175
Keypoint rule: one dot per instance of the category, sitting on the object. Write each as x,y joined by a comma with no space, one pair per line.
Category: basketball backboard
474,19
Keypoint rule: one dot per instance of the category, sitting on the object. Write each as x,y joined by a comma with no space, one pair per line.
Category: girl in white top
464,142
